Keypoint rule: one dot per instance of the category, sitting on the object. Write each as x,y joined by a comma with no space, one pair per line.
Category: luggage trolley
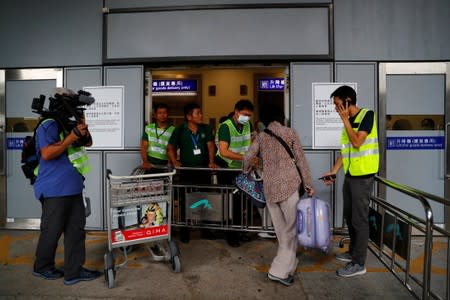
135,215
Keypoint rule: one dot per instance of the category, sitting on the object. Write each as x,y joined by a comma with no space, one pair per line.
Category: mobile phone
328,177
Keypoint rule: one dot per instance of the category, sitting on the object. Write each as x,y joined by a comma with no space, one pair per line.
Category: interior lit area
216,89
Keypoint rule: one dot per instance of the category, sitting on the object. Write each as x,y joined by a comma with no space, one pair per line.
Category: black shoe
233,239
285,281
50,274
185,235
85,275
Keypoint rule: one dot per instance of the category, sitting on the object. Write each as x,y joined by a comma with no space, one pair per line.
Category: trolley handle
110,176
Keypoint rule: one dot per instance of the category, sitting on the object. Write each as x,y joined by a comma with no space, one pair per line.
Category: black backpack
30,158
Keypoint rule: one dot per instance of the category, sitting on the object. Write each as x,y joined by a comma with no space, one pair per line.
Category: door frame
413,68
15,75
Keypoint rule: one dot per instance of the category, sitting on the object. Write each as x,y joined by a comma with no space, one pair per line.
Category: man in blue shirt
59,186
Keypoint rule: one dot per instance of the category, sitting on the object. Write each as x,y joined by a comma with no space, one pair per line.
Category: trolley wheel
110,278
174,252
175,264
109,268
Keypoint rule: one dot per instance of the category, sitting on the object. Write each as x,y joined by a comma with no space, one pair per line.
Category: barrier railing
392,242
207,198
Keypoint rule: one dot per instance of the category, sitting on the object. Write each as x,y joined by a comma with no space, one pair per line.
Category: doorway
215,88
414,106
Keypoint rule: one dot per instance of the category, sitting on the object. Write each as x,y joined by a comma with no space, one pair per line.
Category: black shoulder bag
301,190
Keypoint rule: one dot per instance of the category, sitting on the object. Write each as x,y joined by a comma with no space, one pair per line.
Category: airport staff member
234,136
194,139
360,159
234,139
155,138
196,144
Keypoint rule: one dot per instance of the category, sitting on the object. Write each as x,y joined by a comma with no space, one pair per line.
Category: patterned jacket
280,175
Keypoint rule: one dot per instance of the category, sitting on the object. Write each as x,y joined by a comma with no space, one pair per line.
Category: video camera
67,109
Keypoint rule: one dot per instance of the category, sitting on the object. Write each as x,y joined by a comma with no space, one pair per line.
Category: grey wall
50,33
302,77
219,34
392,30
164,3
69,33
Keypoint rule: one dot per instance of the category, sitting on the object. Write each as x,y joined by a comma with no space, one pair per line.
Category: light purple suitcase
313,223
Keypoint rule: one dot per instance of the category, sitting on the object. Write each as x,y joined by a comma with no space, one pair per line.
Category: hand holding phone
329,177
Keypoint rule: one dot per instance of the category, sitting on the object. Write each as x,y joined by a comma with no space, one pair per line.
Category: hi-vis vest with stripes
365,159
239,142
77,156
157,144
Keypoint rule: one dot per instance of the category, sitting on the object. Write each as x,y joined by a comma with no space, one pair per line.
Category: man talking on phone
360,158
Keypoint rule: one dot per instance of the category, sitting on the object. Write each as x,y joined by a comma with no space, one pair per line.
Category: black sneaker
85,275
50,274
351,269
285,281
233,239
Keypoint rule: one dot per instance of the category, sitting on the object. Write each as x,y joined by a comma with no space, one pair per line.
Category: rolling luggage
313,223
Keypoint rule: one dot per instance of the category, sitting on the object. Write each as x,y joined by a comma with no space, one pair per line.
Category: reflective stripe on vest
239,142
77,156
79,159
158,139
365,159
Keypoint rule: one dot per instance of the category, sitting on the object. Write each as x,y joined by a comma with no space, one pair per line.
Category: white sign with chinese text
327,125
105,117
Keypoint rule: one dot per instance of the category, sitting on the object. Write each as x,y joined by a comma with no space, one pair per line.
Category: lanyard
156,132
195,139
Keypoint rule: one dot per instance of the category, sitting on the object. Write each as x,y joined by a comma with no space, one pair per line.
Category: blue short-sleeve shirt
56,177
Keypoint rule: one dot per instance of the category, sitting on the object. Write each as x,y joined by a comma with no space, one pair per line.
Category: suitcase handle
308,221
300,221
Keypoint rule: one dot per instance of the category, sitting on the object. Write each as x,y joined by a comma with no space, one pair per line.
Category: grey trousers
356,192
284,216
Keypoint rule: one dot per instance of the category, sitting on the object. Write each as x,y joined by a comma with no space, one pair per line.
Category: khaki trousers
284,216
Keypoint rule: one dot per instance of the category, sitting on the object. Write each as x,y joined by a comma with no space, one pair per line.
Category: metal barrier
397,253
208,198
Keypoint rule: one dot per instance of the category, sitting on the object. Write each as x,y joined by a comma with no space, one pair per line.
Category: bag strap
288,150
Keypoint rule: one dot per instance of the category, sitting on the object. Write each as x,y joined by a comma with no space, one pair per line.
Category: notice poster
105,117
327,125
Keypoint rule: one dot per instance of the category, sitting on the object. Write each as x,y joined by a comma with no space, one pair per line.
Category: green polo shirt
183,139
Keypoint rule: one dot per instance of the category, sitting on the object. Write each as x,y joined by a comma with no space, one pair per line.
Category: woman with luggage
281,183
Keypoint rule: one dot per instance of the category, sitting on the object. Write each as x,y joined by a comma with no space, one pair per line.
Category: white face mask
243,119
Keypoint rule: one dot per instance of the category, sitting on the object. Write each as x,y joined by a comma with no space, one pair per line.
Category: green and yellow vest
77,156
365,159
239,142
157,144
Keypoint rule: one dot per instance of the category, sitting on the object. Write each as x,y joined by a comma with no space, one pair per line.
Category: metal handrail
428,228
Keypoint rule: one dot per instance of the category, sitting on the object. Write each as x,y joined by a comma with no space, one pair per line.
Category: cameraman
59,187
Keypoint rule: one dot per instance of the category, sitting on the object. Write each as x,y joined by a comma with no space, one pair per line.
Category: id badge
197,151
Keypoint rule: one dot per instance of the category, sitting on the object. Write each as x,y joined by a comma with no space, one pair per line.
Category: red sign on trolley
138,233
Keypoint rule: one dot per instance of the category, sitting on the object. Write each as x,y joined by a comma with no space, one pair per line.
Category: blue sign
415,143
271,84
174,85
14,143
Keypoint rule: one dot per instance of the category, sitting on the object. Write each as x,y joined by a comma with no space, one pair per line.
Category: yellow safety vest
239,142
77,156
365,159
157,144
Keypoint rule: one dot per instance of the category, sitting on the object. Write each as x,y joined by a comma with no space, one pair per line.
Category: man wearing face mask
234,138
